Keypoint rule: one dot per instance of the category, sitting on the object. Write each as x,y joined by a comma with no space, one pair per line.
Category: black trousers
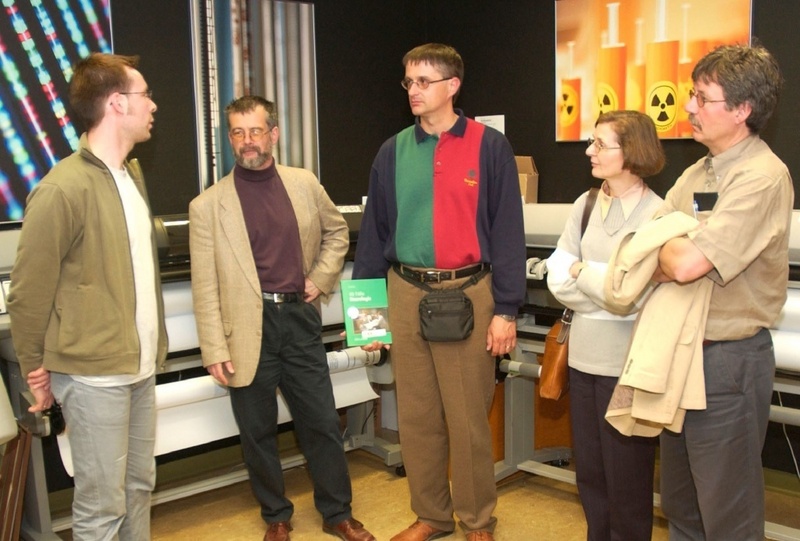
614,473
293,359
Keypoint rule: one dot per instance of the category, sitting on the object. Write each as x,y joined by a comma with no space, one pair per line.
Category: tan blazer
225,287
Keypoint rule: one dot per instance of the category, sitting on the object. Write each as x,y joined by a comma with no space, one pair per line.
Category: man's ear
455,85
743,112
119,102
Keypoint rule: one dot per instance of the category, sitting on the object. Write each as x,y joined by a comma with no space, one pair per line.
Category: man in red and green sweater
444,204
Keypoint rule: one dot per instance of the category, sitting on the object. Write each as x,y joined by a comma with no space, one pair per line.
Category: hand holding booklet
366,312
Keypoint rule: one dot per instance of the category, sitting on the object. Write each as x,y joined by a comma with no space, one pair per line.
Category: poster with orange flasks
636,54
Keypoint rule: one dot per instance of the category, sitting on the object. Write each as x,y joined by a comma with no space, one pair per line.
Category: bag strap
587,208
475,278
591,199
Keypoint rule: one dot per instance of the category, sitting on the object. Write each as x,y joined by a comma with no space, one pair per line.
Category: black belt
436,276
279,298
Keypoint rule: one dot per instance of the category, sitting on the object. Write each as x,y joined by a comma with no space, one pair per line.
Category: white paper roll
195,411
789,320
177,298
787,350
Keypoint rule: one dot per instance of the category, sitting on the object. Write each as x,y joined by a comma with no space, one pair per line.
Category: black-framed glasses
421,83
146,93
701,100
256,134
599,145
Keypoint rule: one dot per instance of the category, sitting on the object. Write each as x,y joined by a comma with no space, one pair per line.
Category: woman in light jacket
614,472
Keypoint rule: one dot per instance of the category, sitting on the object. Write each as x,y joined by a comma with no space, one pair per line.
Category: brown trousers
444,393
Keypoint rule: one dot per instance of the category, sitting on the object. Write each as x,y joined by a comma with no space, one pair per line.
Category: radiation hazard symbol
569,106
662,105
607,99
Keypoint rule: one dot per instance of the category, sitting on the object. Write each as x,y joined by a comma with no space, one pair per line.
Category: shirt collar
721,163
458,128
628,200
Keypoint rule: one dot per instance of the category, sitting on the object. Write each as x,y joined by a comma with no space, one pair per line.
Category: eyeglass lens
255,133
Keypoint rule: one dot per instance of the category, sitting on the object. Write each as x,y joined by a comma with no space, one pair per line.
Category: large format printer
543,226
192,409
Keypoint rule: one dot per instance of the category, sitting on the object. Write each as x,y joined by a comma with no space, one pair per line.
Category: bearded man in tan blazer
265,242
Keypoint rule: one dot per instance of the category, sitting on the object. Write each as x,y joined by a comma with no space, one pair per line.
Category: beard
253,163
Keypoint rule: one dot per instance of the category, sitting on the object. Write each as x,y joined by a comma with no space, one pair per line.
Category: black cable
788,441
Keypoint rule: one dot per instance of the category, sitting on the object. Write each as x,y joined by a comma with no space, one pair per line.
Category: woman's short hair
636,133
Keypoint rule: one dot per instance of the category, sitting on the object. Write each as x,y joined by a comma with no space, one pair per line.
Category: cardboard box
528,179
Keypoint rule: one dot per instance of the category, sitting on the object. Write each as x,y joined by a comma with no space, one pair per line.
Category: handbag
554,377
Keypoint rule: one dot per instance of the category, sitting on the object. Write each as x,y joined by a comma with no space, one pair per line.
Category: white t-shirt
140,230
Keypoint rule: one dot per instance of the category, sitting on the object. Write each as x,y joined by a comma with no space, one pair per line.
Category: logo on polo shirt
470,179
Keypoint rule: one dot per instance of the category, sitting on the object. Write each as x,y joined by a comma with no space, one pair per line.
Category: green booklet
366,314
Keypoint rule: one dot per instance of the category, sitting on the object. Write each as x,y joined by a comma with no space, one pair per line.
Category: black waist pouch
445,315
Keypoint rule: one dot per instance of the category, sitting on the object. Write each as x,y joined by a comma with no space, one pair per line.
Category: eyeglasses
701,100
421,83
256,134
599,145
146,93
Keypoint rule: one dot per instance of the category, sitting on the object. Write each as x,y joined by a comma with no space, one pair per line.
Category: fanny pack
446,315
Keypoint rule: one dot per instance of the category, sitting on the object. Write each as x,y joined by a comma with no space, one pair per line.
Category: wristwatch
507,317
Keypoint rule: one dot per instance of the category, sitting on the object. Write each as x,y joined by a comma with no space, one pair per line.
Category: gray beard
253,163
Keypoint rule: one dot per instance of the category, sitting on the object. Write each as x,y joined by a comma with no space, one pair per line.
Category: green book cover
366,314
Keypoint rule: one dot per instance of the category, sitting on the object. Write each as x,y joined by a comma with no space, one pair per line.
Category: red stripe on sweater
456,189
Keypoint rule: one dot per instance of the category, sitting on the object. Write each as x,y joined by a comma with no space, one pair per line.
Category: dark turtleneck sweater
272,228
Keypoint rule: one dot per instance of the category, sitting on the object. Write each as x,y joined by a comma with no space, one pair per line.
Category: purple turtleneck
272,228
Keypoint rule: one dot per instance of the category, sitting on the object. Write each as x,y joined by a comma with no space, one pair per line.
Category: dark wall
161,34
508,47
359,47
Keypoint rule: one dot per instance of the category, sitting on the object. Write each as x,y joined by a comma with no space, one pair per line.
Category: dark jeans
614,473
293,359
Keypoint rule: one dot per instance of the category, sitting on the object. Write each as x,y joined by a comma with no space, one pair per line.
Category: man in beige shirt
712,484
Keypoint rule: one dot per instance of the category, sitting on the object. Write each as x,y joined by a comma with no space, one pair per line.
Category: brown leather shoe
278,531
419,531
480,536
349,530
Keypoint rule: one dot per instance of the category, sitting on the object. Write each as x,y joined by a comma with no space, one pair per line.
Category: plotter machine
192,409
543,226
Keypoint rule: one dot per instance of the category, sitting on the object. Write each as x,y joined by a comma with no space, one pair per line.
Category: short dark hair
442,57
746,74
636,133
246,104
94,78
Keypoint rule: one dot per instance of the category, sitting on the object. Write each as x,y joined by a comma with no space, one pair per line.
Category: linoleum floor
529,508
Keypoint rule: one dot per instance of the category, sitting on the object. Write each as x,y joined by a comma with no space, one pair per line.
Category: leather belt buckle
434,276
279,298
272,297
